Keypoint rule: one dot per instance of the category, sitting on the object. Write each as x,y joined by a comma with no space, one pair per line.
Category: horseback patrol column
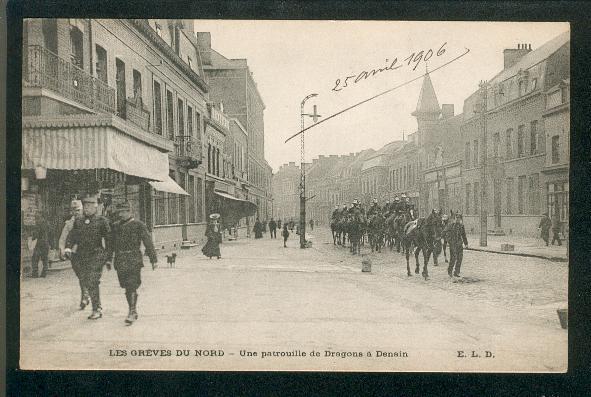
303,172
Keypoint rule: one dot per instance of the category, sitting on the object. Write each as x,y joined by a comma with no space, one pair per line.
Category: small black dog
170,259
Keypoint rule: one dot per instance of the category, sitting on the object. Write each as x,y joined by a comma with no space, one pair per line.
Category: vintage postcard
292,195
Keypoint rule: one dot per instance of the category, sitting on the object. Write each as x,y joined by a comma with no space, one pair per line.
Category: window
189,121
121,88
467,155
199,200
182,199
173,215
190,62
169,115
534,194
521,195
209,161
475,153
160,208
555,149
467,202
496,144
157,108
534,83
181,118
158,29
49,27
533,137
476,198
520,141
101,64
76,47
509,209
509,144
137,86
192,198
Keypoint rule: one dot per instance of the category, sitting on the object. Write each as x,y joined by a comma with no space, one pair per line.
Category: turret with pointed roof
427,111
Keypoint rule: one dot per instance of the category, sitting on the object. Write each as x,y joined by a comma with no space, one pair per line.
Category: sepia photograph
294,195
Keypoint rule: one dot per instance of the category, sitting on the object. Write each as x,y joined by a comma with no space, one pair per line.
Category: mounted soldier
374,209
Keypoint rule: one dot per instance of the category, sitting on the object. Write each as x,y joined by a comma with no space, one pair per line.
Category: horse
376,232
424,234
355,224
400,221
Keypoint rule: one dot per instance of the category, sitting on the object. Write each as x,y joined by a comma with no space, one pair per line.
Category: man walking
273,228
545,225
311,224
75,212
41,250
85,246
455,234
128,235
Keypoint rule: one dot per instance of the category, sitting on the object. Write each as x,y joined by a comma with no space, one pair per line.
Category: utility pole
483,196
303,171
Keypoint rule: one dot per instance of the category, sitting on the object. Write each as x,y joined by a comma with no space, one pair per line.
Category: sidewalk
524,246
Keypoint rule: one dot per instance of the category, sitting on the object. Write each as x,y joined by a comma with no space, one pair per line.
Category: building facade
231,83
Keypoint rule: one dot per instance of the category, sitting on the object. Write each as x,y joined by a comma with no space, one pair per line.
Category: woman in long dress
214,237
258,229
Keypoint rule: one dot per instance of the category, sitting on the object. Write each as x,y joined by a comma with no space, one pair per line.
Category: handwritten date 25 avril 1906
413,60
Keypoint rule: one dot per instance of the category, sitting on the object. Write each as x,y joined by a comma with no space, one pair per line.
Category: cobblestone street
302,300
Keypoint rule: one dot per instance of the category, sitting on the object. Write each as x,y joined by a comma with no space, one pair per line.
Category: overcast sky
291,59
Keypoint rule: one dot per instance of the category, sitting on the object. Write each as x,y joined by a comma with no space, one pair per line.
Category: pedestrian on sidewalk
265,226
128,236
85,246
273,228
285,234
455,234
41,250
279,224
214,237
544,227
311,224
556,230
258,229
75,212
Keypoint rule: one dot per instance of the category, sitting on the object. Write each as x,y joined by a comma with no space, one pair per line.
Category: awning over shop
97,147
170,186
232,208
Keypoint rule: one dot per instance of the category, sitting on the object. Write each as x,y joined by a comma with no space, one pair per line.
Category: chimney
512,55
204,42
447,110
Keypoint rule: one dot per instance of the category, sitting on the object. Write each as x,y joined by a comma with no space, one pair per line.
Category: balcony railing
137,114
44,69
188,149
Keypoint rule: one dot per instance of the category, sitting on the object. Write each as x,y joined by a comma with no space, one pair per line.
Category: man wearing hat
374,209
396,205
89,244
455,234
75,212
128,235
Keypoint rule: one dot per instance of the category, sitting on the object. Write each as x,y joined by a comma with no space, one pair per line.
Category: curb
549,258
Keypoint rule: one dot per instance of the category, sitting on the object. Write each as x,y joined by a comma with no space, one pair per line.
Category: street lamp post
303,171
483,197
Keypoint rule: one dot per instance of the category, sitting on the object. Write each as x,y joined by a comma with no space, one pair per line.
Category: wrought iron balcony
44,69
188,150
136,113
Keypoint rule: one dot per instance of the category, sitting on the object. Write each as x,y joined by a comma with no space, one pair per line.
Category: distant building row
527,152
